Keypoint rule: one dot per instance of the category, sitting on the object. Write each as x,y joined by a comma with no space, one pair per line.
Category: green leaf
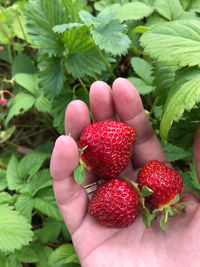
101,5
6,134
29,82
43,252
193,173
163,81
24,206
109,35
140,29
46,203
5,157
12,176
6,34
64,27
46,147
48,208
176,42
83,95
190,15
19,47
26,254
185,3
172,212
146,191
3,260
59,106
171,9
31,163
174,200
15,232
147,217
4,13
38,181
51,75
20,104
43,104
49,232
133,11
42,15
17,28
187,125
154,20
12,261
143,69
66,233
193,5
182,96
174,153
64,254
141,86
4,55
72,9
79,174
22,64
163,221
187,180
110,10
83,58
3,181
5,198
87,18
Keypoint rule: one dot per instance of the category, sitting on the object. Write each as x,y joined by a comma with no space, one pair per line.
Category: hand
135,246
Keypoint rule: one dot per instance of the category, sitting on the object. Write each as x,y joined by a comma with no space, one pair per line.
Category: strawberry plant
51,51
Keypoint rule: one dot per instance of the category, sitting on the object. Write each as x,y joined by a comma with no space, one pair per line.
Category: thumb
70,196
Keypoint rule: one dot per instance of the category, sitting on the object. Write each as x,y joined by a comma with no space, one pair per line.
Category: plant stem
82,83
4,65
153,106
47,124
106,63
135,185
74,88
9,40
32,134
20,24
10,53
52,245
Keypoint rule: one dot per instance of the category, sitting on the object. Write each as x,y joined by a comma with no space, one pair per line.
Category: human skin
135,246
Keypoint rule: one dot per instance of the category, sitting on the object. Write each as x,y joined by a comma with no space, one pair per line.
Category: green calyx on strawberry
165,184
108,149
114,204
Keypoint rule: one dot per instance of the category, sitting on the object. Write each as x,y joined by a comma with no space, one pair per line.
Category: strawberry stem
146,215
81,150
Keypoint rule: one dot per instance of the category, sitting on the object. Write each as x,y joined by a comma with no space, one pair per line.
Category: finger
129,106
70,196
101,102
196,151
77,117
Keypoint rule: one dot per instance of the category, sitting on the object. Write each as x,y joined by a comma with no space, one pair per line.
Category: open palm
135,246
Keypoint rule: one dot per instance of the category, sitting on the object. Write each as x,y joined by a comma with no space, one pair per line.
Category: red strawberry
165,182
114,204
109,147
162,186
